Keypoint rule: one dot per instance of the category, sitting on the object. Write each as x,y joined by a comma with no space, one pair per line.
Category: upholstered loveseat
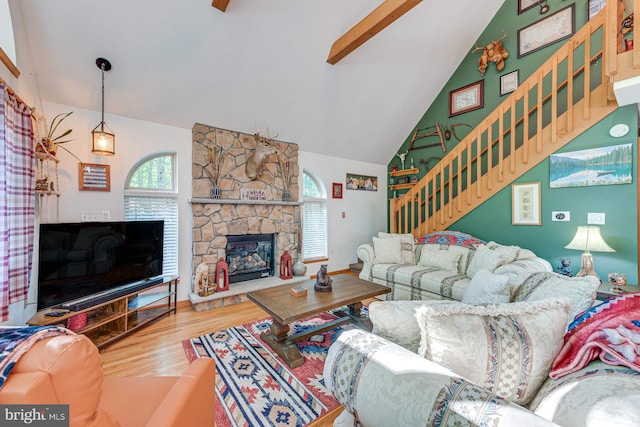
448,363
440,265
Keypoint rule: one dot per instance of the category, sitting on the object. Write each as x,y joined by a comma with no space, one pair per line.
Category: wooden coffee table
286,308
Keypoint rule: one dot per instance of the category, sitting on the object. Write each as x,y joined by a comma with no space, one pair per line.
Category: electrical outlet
88,216
596,218
106,215
560,216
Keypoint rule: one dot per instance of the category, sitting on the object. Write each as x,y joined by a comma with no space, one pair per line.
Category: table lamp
588,239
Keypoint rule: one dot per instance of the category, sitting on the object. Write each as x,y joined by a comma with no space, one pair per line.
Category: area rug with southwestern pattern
254,387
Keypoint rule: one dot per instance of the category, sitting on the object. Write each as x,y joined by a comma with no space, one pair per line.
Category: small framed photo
509,82
466,98
361,182
337,190
93,177
547,31
524,5
525,209
594,6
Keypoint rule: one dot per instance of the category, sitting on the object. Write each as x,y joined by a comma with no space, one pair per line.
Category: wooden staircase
567,95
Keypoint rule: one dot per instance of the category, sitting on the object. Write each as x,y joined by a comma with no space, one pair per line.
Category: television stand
118,315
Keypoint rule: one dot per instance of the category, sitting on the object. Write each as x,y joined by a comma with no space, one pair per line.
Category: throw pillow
440,258
396,321
488,259
487,288
580,290
506,348
406,245
387,251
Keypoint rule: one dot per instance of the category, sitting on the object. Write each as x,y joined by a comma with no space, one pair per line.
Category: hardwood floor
157,348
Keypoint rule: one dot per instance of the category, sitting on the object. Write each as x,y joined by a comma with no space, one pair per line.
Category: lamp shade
103,143
588,239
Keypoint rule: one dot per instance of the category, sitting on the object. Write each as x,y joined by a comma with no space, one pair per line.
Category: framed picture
546,31
596,166
524,5
466,98
525,209
361,182
93,177
337,190
509,82
594,6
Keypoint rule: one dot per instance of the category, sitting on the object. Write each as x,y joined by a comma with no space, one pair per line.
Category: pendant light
103,141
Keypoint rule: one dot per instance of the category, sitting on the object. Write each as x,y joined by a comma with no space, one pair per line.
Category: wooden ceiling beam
220,4
371,25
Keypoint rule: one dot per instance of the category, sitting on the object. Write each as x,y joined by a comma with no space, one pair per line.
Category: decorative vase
286,196
299,269
215,192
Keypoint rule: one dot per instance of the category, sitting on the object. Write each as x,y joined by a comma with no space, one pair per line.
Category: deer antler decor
493,52
264,148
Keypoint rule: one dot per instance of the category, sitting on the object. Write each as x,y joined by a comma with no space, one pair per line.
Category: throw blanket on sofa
16,341
610,330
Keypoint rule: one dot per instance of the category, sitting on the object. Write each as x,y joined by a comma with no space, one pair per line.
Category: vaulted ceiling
257,65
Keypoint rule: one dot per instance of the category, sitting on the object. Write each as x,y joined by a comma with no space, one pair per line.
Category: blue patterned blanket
16,341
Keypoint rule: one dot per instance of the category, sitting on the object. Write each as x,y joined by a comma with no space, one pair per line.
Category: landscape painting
597,166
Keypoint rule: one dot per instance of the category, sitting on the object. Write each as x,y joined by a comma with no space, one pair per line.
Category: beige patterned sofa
448,363
440,265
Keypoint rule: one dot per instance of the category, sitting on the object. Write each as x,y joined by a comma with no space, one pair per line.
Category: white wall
365,212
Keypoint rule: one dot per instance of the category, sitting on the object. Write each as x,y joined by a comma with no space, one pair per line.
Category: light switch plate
596,218
561,216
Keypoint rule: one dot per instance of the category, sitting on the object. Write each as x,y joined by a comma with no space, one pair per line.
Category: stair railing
563,98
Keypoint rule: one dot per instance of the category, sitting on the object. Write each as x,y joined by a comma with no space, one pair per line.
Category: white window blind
314,218
140,208
314,228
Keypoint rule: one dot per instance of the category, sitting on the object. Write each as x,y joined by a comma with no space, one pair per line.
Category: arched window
151,193
7,41
314,222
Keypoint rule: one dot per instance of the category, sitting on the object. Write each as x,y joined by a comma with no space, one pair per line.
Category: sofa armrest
368,375
191,400
367,255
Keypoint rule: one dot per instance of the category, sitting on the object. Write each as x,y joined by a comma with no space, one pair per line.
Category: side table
604,291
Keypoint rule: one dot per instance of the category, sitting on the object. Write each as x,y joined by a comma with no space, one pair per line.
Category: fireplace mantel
242,202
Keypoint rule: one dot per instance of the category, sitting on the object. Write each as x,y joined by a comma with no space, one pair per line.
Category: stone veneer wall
214,219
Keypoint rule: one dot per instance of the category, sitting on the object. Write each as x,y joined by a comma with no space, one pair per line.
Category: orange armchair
67,369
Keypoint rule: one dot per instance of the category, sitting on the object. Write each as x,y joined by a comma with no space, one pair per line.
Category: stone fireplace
215,219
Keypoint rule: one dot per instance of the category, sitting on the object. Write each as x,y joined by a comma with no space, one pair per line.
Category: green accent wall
492,220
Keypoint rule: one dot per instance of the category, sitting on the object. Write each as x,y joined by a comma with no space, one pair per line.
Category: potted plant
50,142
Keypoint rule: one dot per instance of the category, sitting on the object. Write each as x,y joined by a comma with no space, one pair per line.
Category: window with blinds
150,193
314,218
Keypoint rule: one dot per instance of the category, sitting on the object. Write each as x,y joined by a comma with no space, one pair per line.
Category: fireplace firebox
250,256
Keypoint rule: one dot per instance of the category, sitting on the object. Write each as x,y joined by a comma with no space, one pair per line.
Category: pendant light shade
103,140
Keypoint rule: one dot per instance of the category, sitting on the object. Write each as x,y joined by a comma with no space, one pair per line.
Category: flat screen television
79,261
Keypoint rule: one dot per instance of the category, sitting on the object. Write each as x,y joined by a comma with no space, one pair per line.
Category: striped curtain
17,200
